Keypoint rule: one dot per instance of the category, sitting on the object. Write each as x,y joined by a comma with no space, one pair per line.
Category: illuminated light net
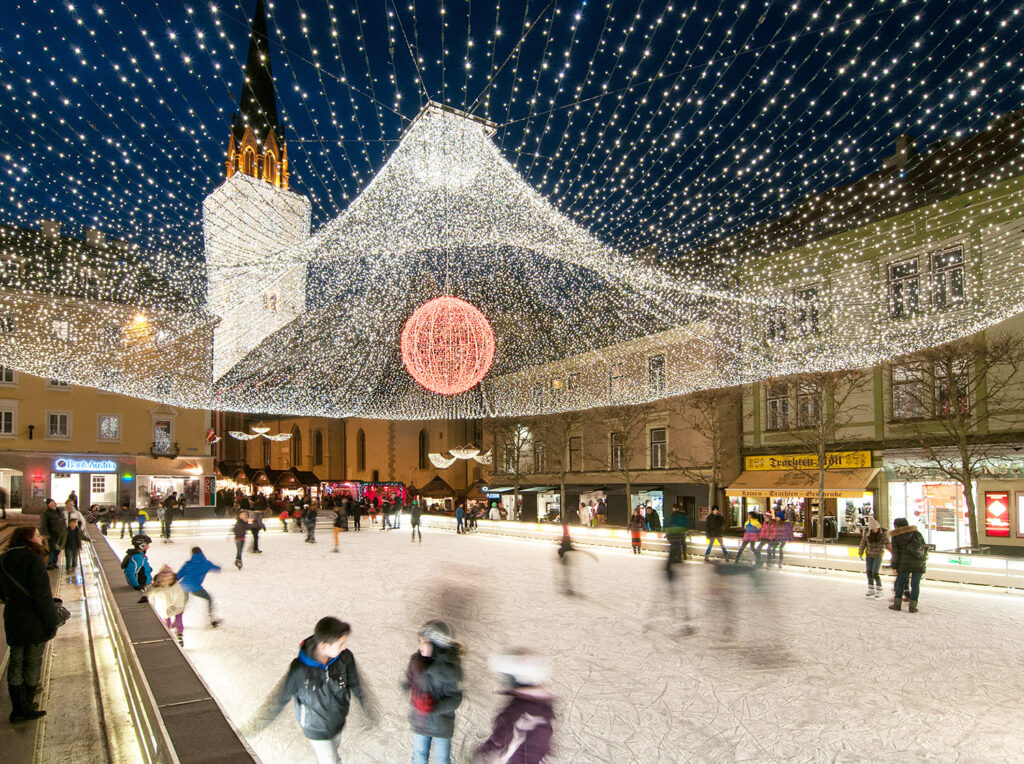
447,345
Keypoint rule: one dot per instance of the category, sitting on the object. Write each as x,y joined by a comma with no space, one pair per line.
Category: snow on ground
812,670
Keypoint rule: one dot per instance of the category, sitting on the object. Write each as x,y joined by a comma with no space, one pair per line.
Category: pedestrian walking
192,575
637,525
321,681
169,598
523,729
751,535
874,540
910,558
30,618
415,517
241,530
433,680
51,526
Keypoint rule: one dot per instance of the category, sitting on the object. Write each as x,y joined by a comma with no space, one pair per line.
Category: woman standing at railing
30,618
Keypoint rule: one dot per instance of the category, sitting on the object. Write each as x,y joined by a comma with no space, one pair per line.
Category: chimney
906,147
50,229
93,237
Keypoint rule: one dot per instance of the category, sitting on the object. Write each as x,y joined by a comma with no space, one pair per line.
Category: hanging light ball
447,345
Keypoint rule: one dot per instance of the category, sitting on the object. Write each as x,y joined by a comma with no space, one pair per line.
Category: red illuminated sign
997,513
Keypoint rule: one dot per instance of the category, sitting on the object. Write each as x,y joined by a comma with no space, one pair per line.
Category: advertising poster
997,513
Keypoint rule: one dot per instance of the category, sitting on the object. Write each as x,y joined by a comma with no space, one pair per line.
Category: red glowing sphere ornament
447,345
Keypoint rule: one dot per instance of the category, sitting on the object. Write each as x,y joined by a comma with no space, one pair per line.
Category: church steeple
256,146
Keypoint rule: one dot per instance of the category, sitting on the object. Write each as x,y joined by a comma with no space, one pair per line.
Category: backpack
916,550
127,558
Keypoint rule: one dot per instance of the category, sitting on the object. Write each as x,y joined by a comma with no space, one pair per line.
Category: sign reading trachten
839,460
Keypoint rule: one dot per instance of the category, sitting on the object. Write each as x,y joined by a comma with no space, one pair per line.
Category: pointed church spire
257,146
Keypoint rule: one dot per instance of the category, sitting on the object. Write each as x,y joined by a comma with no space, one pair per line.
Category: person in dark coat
434,683
321,680
125,516
241,529
715,528
910,559
30,617
415,518
51,526
653,520
675,530
523,728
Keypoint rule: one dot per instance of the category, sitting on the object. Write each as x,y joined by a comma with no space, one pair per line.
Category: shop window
904,288
8,376
538,457
360,451
806,311
951,388
615,380
318,448
908,393
777,406
58,424
656,373
108,427
948,279
8,421
295,447
576,454
808,406
424,450
616,447
659,448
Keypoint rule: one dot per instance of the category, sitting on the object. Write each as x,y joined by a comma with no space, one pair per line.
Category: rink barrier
176,717
981,570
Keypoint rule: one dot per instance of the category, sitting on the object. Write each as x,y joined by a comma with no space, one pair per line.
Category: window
904,288
615,442
908,393
8,419
576,454
318,448
556,385
7,324
266,452
775,331
777,406
659,448
948,279
58,424
538,457
806,311
951,388
424,450
56,384
808,406
574,382
8,376
511,462
60,329
615,379
296,447
269,168
163,436
360,451
656,372
108,427
249,162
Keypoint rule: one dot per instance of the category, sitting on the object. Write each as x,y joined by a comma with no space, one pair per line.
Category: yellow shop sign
839,460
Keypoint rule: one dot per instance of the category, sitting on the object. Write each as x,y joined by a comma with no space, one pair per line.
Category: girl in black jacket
434,683
30,617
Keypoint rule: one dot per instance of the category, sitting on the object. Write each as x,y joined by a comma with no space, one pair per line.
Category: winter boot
878,592
214,623
181,642
871,591
897,604
21,704
913,606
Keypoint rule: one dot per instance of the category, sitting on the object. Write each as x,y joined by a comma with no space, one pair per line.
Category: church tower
255,283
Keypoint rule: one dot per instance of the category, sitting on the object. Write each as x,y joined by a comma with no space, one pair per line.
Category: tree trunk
972,514
821,493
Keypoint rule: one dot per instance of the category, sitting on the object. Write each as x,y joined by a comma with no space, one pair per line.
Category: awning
796,484
539,489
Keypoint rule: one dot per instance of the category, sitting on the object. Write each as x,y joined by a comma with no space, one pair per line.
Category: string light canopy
605,195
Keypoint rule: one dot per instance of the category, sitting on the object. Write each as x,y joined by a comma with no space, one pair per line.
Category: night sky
650,122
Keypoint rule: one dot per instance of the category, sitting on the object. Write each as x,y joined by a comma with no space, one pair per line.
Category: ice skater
523,728
241,531
70,541
309,518
751,535
255,526
675,531
415,516
714,528
169,598
874,541
385,515
783,533
460,519
321,680
396,512
433,680
565,559
191,576
125,517
340,523
637,525
910,558
679,606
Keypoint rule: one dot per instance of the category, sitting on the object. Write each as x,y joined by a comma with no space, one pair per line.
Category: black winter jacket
715,525
321,693
28,619
435,691
51,524
901,538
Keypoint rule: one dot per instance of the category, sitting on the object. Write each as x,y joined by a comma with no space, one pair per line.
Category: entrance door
61,486
15,493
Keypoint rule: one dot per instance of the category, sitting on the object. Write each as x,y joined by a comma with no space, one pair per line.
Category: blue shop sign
67,464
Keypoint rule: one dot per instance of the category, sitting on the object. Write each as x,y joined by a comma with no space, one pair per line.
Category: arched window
249,162
424,450
296,442
266,452
318,448
360,451
270,168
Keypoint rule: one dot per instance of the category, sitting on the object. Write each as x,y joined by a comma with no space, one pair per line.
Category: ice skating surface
785,665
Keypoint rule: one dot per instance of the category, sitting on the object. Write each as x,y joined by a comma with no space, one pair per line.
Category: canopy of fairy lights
525,208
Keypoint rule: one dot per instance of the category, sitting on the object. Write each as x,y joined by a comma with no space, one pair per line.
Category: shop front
359,490
788,485
436,496
29,479
293,483
191,477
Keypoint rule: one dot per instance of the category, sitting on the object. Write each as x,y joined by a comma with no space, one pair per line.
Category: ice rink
811,670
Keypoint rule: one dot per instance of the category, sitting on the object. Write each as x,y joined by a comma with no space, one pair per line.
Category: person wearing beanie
137,571
168,600
910,559
523,728
874,541
433,680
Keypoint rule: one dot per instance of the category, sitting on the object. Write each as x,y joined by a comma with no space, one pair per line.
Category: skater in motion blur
523,728
751,535
321,680
191,577
434,683
168,600
566,551
675,531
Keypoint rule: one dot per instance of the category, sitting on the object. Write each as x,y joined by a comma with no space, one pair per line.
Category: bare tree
555,432
512,442
713,415
953,397
826,402
627,435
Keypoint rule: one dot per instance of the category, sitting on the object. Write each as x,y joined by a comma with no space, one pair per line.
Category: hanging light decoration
447,345
258,430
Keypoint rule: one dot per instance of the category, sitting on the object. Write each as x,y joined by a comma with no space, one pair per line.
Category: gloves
422,702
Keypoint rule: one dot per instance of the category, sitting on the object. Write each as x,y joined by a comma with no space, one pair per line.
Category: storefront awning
796,484
538,489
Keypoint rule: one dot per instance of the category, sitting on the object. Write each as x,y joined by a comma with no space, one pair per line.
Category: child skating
523,728
168,600
433,680
191,577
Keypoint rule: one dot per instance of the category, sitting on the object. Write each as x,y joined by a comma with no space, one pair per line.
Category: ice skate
871,591
878,592
238,564
214,623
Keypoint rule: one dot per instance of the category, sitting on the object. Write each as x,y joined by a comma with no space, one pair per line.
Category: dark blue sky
651,122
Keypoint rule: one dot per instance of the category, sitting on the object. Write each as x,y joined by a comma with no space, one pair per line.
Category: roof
292,476
436,489
257,106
